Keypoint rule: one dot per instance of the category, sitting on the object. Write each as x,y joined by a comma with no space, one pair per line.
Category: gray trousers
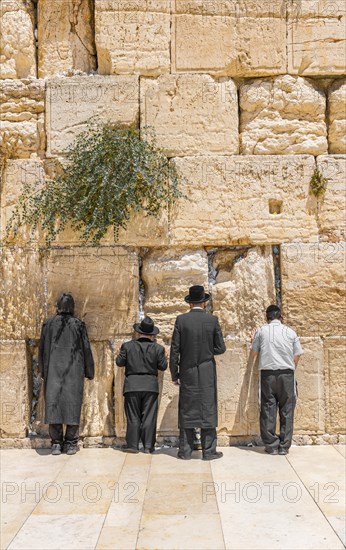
277,393
187,441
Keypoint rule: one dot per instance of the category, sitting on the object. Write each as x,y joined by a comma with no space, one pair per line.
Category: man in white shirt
279,351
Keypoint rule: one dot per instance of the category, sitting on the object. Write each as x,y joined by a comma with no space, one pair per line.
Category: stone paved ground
105,499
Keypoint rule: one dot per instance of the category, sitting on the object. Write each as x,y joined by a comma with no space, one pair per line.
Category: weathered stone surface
313,287
191,114
335,361
22,117
229,38
167,275
17,48
228,200
316,37
237,391
243,289
22,293
332,207
167,420
282,115
104,283
17,174
337,117
65,37
132,37
14,389
310,409
71,102
98,400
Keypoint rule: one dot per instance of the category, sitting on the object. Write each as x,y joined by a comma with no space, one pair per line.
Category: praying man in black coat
66,359
142,359
197,337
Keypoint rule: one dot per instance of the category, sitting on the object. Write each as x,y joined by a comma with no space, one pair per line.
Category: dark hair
65,303
273,312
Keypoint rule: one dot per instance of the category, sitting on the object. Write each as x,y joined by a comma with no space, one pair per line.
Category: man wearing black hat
197,337
142,358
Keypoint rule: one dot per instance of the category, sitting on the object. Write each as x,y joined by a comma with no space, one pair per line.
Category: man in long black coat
197,337
66,359
142,358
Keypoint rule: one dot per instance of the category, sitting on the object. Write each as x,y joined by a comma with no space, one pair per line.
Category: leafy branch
109,174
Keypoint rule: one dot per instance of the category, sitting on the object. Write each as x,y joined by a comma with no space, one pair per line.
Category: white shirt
277,344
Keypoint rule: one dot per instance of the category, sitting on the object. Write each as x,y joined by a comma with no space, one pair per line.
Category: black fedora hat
197,295
146,326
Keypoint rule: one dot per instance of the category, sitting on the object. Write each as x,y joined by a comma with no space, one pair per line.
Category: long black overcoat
66,358
197,337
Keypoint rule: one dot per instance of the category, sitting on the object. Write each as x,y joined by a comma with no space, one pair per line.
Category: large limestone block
243,289
167,275
229,38
17,43
281,116
332,207
335,375
65,37
167,419
310,409
22,117
132,37
97,416
230,199
104,283
22,293
313,287
237,380
71,102
192,114
16,175
337,117
316,37
14,389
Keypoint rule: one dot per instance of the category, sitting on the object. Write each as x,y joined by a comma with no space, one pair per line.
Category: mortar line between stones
314,501
37,503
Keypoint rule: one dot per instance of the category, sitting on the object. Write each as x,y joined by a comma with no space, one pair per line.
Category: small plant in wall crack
318,184
109,174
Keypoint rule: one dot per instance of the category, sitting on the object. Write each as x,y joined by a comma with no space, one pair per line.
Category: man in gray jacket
197,337
279,351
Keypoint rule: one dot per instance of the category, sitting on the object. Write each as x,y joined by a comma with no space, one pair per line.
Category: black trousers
277,393
141,413
187,440
57,435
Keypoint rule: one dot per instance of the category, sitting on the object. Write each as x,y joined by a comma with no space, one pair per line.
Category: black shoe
56,449
127,449
183,457
271,451
214,456
282,451
71,449
148,450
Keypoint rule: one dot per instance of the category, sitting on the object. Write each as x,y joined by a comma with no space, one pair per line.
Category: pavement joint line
316,503
145,494
37,503
104,519
218,509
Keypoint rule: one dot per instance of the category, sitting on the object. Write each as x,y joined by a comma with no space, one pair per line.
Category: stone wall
247,99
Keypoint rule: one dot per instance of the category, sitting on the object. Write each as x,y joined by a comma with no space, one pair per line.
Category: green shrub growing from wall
109,174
